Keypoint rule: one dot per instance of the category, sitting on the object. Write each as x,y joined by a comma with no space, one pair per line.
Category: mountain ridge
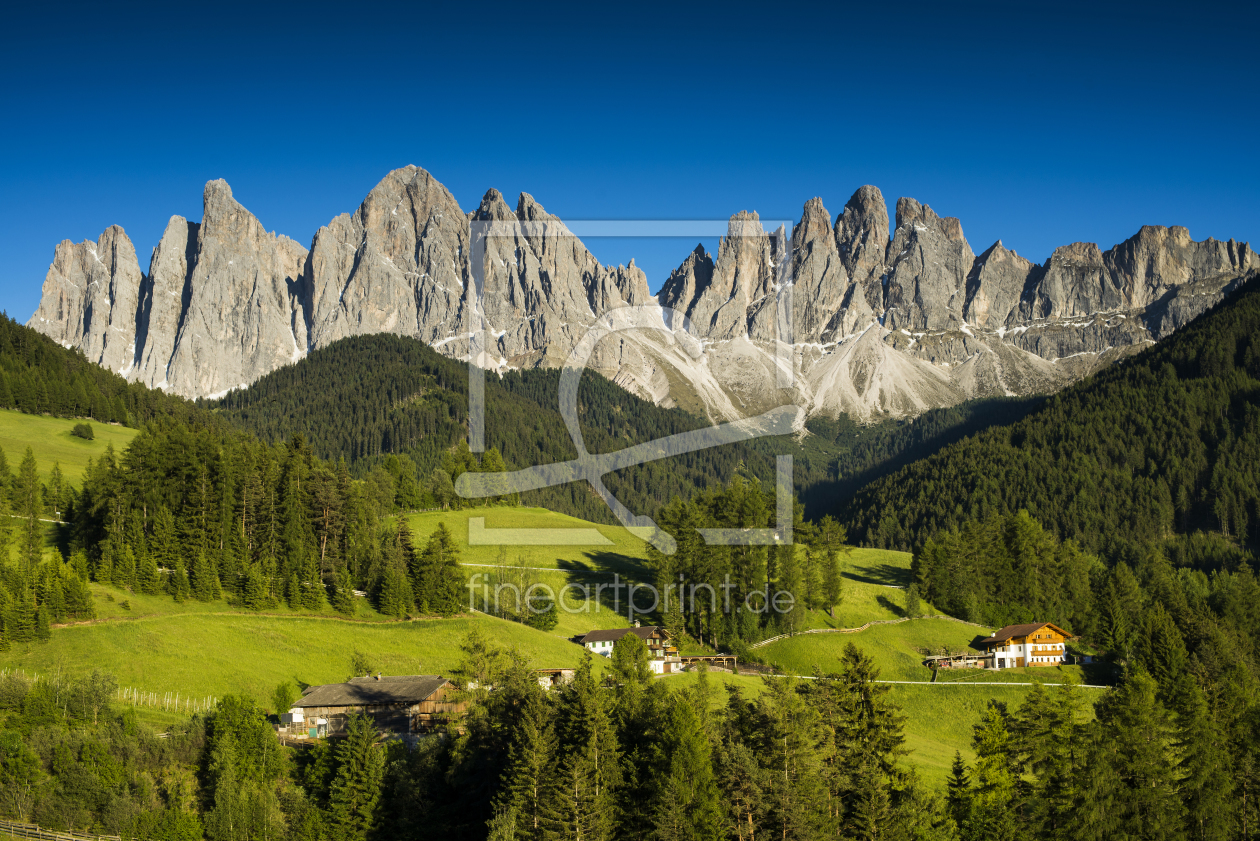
885,321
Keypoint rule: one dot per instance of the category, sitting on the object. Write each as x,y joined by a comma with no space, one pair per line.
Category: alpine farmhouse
1016,646
662,651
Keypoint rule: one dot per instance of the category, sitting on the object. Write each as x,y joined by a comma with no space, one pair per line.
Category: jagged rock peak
493,208
528,210
90,299
929,262
910,212
995,286
861,234
815,220
246,303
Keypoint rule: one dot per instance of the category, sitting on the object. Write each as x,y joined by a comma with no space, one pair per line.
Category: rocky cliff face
90,296
846,317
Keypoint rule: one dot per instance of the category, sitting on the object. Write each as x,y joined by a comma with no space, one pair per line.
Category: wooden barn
405,706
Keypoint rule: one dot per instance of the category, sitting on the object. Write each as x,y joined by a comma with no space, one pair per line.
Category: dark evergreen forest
368,398
1165,442
38,376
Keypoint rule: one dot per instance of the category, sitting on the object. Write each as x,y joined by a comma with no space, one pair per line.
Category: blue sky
1039,125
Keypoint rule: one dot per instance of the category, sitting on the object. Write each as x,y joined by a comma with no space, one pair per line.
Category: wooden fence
169,701
26,830
862,628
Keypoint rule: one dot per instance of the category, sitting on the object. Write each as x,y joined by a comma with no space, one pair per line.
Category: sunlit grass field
212,649
896,649
50,440
203,653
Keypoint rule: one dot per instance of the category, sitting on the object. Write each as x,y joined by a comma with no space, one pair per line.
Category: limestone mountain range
882,320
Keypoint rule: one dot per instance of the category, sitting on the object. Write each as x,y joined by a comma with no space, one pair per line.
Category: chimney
378,675
636,623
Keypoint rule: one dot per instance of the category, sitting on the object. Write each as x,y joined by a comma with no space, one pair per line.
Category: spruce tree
689,806
356,788
1128,779
1159,647
958,788
831,537
529,781
255,595
164,542
993,799
342,599
313,593
177,582
792,732
27,500
395,598
1207,770
6,523
148,579
589,771
205,581
913,609
441,585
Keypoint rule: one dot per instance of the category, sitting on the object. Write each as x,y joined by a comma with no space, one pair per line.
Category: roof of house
372,691
614,634
1012,631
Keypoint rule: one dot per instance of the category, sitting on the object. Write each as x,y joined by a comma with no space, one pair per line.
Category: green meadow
50,440
198,649
203,653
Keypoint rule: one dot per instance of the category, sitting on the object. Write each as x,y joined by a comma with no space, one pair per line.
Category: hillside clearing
50,439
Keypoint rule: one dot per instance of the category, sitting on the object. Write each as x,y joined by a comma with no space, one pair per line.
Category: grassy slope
590,565
51,441
940,717
198,650
213,649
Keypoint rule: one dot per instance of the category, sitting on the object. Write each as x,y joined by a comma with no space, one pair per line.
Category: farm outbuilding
404,705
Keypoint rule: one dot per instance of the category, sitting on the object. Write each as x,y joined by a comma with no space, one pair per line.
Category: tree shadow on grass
888,604
885,575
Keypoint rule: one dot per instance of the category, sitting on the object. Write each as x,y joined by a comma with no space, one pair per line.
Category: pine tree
588,773
1207,770
958,786
529,782
177,583
356,788
205,581
29,507
993,796
441,586
689,806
